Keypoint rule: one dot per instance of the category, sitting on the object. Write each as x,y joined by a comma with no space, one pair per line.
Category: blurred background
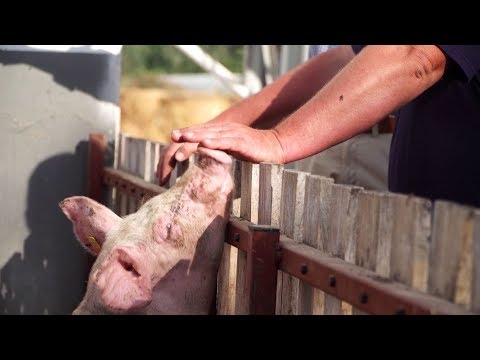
162,89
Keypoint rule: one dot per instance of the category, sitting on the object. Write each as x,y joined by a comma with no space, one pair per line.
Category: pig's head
145,257
119,280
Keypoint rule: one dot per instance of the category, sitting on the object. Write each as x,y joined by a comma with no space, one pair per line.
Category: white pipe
209,64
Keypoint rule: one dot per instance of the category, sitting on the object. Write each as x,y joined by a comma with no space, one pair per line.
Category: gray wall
49,103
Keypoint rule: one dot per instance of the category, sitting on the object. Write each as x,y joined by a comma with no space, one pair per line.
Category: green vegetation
140,60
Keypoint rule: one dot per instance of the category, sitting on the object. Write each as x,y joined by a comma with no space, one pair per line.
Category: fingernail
176,133
179,156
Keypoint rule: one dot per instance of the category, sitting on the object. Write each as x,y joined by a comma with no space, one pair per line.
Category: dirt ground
152,113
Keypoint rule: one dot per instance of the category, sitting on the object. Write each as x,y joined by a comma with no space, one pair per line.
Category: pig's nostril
129,267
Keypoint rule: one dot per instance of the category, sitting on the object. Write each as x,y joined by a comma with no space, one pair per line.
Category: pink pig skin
164,258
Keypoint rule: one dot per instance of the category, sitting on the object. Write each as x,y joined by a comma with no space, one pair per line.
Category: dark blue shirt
435,148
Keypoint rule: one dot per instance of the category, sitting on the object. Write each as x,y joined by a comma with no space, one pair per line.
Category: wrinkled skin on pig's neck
179,235
200,197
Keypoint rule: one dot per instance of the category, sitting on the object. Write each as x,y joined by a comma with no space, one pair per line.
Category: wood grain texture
316,216
450,268
291,224
341,239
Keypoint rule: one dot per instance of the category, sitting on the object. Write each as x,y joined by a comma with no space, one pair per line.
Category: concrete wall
49,103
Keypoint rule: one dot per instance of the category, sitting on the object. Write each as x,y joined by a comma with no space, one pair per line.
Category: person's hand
169,157
240,141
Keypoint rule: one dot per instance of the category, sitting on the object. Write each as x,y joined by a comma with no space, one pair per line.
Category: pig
164,258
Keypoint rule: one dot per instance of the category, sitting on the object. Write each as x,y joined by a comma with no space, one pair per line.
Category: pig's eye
129,267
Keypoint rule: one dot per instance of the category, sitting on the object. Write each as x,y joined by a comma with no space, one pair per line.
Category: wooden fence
320,247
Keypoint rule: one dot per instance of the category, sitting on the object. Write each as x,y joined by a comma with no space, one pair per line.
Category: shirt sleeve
467,57
356,48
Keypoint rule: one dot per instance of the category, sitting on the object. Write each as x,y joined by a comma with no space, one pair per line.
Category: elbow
428,62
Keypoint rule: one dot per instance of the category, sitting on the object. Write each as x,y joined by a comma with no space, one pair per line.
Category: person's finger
235,146
178,135
167,163
185,151
197,136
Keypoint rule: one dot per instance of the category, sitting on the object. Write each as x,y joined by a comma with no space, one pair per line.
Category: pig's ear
124,280
91,221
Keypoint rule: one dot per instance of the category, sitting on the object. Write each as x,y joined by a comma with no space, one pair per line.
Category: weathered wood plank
237,192
133,165
316,216
291,224
121,201
450,270
227,276
342,240
248,211
154,160
269,200
226,282
148,169
366,231
410,240
270,188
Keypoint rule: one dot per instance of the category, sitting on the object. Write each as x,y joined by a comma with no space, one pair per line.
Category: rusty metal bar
133,185
238,233
261,275
358,286
96,151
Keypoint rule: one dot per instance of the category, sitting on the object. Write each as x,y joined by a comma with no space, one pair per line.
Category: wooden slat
148,170
227,275
450,271
342,240
316,224
142,166
270,189
237,192
291,224
154,159
248,211
121,201
133,168
269,200
366,232
222,282
410,240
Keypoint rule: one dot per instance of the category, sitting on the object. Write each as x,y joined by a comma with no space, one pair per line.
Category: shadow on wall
50,277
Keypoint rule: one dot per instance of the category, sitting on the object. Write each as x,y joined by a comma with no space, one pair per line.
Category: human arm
375,83
269,106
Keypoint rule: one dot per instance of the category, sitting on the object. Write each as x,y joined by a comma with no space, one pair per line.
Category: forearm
376,82
289,92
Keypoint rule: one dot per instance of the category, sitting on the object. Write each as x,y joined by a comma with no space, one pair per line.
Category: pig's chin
85,310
